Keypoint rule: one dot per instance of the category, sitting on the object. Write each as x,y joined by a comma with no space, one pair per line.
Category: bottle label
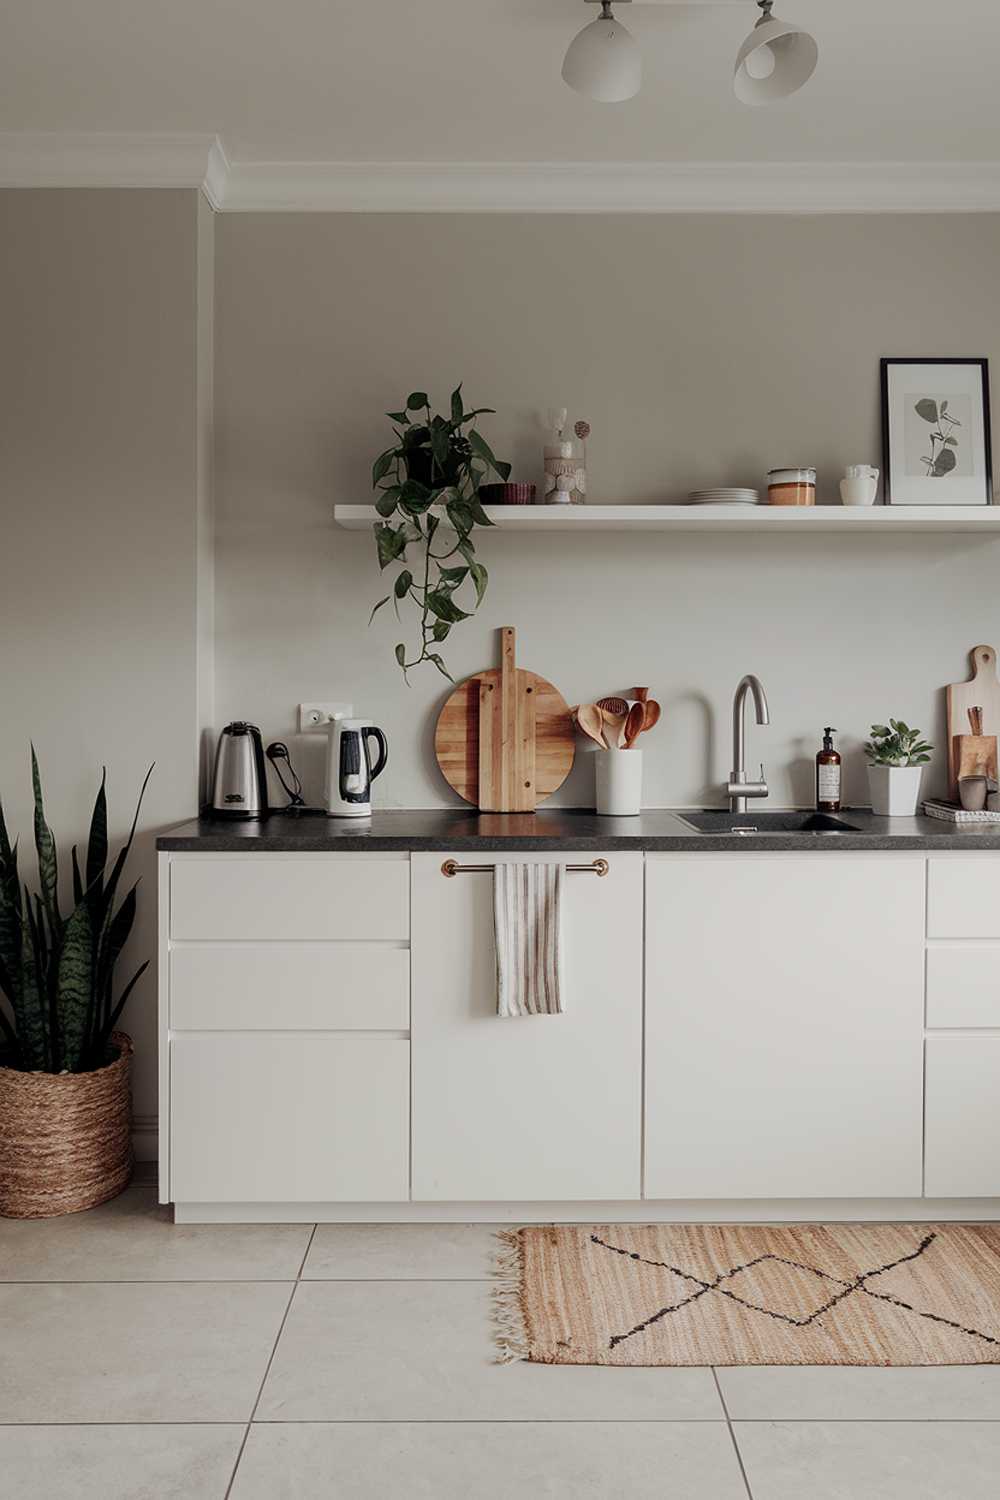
828,784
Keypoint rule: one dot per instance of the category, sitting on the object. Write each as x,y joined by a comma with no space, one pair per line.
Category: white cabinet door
963,1117
288,1119
784,1024
535,1107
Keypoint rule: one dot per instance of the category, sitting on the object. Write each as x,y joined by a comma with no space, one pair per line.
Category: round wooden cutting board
528,747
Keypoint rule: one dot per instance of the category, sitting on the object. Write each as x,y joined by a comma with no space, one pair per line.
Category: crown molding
71,159
56,159
612,187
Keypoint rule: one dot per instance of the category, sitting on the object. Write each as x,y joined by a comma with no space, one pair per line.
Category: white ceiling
478,80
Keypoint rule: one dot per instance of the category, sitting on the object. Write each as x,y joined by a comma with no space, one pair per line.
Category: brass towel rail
452,867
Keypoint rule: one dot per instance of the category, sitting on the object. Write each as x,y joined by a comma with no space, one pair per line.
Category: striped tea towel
527,902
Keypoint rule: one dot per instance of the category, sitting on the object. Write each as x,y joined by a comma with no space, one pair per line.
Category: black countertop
445,829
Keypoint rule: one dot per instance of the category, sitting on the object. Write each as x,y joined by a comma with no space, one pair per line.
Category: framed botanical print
936,432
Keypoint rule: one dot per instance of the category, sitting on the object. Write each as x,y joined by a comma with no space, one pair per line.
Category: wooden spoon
614,705
634,724
614,725
591,721
652,714
641,694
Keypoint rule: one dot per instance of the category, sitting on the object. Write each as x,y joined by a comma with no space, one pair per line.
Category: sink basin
811,823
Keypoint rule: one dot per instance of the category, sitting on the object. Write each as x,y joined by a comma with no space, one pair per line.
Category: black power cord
278,751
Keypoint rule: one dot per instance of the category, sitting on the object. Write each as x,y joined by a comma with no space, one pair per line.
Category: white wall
703,350
99,462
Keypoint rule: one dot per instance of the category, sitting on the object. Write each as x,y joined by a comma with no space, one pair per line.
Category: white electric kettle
349,771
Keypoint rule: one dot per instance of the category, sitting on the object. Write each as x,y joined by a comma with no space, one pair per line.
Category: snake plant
56,971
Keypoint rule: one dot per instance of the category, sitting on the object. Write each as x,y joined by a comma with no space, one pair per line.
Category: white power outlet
318,715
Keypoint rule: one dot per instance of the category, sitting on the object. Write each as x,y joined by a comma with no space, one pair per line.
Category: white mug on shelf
859,485
619,782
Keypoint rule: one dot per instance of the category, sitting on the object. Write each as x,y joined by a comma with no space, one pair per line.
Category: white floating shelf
845,520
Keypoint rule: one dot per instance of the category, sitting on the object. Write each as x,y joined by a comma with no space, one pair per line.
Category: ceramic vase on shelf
619,783
565,477
895,790
859,485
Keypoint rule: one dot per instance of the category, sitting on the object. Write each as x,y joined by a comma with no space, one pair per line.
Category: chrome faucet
739,788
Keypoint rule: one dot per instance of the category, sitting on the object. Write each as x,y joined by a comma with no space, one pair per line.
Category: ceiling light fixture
603,61
776,59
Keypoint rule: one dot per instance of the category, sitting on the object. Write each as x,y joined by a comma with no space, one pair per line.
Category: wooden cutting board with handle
505,738
981,691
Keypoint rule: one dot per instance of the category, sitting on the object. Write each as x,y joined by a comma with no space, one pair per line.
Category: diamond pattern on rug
811,1294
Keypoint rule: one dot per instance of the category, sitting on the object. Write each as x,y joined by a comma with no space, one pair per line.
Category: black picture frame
885,365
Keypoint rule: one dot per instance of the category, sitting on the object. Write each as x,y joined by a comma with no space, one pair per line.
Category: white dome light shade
604,62
776,59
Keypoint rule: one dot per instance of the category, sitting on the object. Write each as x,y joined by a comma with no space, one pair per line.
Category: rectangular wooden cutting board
981,691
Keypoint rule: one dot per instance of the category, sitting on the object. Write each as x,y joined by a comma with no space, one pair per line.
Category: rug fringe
510,1335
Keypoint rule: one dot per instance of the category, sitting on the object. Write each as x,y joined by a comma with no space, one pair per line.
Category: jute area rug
813,1294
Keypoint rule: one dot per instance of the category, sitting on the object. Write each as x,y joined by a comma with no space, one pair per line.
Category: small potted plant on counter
896,759
65,1127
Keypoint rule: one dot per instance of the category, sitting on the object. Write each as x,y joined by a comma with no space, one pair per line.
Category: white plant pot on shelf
895,790
619,782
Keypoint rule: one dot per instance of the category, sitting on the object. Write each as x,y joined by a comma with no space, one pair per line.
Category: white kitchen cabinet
287,897
534,1107
962,1157
784,1025
277,1118
963,896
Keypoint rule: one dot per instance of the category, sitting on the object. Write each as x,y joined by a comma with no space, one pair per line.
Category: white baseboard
691,1211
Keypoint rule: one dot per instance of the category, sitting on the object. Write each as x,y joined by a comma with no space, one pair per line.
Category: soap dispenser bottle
828,775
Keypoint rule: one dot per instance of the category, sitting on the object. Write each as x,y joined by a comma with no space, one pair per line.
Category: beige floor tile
415,1351
176,1352
154,1462
407,1252
133,1238
871,1460
820,1393
490,1461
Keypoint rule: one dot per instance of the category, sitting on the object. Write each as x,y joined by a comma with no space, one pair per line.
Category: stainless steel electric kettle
349,771
239,785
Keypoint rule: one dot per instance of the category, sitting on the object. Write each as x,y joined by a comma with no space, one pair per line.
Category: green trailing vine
428,488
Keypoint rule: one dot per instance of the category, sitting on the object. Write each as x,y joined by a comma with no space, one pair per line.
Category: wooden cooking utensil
614,705
614,726
640,694
652,714
504,738
982,691
591,721
634,724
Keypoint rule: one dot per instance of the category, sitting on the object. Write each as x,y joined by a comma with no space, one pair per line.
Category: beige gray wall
100,484
703,350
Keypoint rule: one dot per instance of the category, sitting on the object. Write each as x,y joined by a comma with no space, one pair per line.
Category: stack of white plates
724,497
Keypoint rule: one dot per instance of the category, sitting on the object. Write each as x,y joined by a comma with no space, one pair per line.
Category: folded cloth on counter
527,906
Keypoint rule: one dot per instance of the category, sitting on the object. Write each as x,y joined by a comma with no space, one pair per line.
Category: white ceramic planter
895,790
619,782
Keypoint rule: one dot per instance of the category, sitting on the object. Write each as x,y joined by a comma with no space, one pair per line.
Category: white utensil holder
619,782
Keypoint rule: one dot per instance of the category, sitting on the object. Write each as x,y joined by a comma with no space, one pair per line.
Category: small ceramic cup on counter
972,793
619,782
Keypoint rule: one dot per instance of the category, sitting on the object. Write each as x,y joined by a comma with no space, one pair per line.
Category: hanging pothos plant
431,476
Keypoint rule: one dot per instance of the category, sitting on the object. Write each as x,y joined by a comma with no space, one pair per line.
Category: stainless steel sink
809,823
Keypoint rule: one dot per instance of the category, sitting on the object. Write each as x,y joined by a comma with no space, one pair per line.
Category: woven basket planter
65,1138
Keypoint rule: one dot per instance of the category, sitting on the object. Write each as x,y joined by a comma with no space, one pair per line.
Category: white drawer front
963,897
289,987
289,1119
963,986
962,1142
358,896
